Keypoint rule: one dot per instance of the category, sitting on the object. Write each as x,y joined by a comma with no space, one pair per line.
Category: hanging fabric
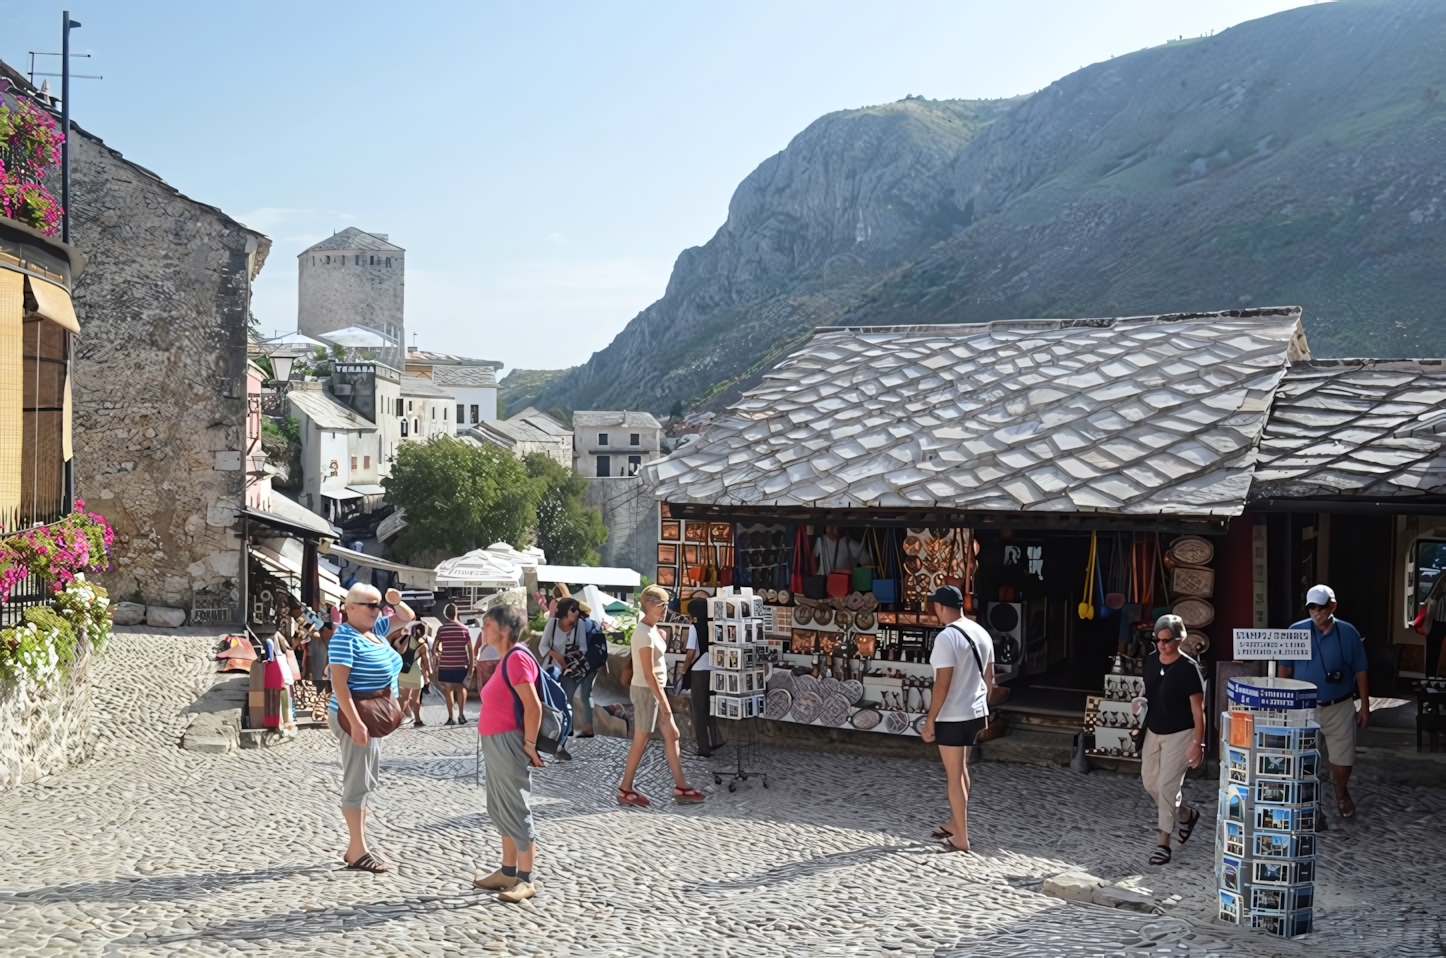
1086,607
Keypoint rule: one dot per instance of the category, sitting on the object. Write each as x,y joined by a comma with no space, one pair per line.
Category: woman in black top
1174,731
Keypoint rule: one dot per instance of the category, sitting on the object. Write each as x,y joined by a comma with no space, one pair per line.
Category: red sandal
626,797
688,796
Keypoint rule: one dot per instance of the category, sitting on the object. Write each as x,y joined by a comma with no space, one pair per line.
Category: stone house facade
614,444
160,394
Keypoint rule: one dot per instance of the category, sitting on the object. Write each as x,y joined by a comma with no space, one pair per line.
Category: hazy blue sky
543,164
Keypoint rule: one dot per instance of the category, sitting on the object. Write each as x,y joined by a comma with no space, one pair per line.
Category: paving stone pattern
151,850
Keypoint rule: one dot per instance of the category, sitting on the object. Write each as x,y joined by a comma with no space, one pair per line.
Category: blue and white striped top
373,666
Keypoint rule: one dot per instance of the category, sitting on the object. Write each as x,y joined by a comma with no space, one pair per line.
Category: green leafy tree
460,497
568,531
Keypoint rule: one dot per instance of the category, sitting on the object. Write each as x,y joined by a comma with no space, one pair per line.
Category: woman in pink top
508,721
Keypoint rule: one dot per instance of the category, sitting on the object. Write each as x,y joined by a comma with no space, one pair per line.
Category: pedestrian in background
649,696
453,653
563,649
1174,707
416,670
362,665
963,661
700,679
584,688
1339,670
508,718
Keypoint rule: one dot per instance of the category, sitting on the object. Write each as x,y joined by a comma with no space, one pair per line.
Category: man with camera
1337,667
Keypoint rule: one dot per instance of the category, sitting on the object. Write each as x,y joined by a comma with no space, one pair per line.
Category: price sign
1286,644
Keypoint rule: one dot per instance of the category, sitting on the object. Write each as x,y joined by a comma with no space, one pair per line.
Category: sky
543,164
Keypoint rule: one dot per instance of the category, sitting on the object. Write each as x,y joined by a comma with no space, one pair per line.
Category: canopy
293,518
590,575
413,576
356,337
526,558
288,568
368,489
291,339
479,569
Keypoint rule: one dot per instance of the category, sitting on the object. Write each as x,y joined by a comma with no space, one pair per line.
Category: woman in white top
963,660
649,696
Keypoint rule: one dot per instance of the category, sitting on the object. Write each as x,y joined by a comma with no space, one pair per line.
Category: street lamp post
67,25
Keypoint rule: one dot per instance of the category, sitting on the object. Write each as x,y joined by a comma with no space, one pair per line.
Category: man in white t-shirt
963,660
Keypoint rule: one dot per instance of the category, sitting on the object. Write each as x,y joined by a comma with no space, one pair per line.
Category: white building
341,465
427,410
527,432
354,278
472,383
614,444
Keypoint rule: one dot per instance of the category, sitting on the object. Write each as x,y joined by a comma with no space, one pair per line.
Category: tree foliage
461,497
568,531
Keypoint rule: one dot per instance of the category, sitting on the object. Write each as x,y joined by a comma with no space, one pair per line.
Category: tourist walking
508,719
963,661
583,718
700,679
1174,730
455,658
563,647
649,696
1338,668
363,670
411,645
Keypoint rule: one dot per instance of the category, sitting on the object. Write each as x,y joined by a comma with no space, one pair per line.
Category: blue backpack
556,725
597,647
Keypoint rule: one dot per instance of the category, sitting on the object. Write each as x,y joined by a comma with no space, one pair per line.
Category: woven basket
1193,580
1196,613
1192,550
1196,644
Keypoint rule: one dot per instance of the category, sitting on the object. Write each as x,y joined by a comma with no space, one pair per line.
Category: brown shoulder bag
379,711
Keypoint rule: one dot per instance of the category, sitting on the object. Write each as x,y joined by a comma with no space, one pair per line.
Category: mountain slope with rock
1295,159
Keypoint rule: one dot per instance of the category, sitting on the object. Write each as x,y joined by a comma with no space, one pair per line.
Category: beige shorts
645,707
1338,732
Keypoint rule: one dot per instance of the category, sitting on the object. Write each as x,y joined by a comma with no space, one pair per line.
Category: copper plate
803,615
864,620
913,564
912,545
784,597
823,615
843,618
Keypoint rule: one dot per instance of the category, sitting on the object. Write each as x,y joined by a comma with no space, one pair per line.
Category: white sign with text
1287,644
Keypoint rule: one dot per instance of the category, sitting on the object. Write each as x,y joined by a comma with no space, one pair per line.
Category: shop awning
368,489
413,576
53,303
603,576
293,519
287,568
341,495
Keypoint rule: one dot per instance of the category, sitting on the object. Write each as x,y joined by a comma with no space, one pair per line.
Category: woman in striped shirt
361,662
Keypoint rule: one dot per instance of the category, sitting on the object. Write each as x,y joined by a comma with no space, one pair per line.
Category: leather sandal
1161,856
948,845
626,797
1188,828
688,796
368,863
943,831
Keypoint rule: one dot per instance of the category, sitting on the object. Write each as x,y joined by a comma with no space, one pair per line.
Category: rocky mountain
521,388
1295,159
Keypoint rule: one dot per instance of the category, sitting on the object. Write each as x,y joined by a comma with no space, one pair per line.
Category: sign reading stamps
1287,644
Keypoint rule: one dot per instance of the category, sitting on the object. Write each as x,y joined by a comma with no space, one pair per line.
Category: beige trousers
1163,765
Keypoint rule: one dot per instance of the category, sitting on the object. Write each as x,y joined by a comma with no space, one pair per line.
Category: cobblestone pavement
149,850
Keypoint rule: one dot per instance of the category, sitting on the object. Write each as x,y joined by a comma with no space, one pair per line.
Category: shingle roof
542,421
1356,427
422,386
353,238
596,417
326,412
1138,415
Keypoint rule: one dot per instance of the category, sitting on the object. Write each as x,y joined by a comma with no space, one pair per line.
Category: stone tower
353,278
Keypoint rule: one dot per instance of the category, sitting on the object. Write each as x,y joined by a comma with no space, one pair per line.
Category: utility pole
65,27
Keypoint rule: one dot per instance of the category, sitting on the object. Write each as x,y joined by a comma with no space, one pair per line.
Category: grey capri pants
509,786
360,765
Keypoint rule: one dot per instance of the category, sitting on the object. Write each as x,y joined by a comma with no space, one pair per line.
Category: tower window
389,262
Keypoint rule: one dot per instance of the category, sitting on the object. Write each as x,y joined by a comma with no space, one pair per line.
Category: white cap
1320,595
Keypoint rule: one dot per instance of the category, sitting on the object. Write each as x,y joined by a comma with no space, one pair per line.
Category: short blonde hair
362,594
654,595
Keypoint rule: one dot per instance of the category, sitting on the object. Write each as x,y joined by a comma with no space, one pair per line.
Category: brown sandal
366,863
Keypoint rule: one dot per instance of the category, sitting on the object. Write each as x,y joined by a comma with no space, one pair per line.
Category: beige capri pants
1163,765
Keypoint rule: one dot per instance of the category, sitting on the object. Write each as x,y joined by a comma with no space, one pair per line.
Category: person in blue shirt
1338,668
362,663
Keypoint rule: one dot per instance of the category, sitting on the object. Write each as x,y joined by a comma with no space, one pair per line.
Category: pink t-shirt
498,712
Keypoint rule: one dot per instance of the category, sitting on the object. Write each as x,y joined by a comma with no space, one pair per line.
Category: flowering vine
30,143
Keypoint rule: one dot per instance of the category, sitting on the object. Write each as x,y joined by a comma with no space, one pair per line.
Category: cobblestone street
149,849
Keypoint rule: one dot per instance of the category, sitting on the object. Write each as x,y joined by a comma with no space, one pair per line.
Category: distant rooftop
603,417
424,357
542,421
353,238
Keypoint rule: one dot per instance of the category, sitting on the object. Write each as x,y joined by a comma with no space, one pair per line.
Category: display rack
1265,844
737,652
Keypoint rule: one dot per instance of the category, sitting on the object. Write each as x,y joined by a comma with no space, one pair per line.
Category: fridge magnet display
667,575
1241,724
1285,739
1298,872
1230,873
672,530
1271,845
1273,792
1275,765
1230,907
1234,838
1237,797
1285,818
1238,762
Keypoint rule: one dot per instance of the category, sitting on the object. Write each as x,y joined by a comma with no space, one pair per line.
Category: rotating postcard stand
1265,841
737,673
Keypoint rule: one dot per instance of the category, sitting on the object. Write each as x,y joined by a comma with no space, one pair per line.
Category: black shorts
452,676
958,734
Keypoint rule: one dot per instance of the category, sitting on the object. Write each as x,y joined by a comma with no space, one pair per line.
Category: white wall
484,397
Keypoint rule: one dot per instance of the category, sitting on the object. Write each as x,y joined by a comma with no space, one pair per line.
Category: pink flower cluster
32,140
56,552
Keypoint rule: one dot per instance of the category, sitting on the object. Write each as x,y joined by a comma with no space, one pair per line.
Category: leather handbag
815,586
838,584
379,711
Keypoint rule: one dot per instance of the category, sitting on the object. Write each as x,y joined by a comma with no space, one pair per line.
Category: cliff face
1294,159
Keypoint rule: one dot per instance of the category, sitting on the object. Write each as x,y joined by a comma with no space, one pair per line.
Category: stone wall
343,293
631,518
160,376
45,729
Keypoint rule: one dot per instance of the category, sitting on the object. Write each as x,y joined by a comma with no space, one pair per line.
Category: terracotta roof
1136,415
1360,427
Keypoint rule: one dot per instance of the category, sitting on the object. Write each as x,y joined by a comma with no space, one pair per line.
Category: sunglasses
374,606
